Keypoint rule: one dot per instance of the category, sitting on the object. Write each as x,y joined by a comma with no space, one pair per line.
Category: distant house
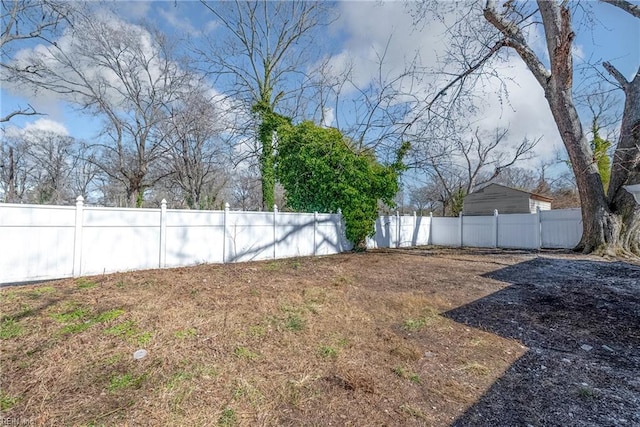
506,200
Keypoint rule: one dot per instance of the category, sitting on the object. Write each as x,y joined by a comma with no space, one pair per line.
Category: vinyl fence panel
118,239
445,231
194,237
406,231
36,242
561,228
250,236
422,232
329,236
519,231
383,234
478,231
294,234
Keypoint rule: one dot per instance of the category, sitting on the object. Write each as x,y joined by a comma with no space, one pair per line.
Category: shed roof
533,196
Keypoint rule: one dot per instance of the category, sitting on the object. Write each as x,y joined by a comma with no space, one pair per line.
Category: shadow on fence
333,242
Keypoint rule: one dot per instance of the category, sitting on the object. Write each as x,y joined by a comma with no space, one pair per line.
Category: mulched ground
580,319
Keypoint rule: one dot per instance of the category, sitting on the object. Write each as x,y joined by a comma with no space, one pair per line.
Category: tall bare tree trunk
610,225
600,226
11,196
626,163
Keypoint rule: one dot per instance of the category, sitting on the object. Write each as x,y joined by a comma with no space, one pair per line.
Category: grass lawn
351,339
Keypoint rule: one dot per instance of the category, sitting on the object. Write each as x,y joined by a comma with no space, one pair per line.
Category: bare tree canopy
123,74
24,21
262,60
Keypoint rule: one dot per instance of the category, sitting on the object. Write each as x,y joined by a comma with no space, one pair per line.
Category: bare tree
520,178
426,198
15,170
43,167
53,157
197,148
85,172
125,75
25,21
612,220
245,191
611,223
261,59
372,110
459,164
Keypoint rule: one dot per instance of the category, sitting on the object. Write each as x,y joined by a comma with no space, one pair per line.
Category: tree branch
22,112
515,39
629,7
616,74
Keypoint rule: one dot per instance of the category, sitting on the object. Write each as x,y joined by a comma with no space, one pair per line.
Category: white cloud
376,30
46,125
525,112
180,23
35,128
329,117
371,27
210,26
136,9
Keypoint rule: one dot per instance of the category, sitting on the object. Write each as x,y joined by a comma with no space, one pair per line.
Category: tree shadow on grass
581,322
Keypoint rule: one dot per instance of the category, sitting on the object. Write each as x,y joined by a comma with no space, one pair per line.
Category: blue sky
363,27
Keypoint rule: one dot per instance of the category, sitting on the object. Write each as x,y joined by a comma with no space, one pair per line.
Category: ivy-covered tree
322,171
267,135
600,147
260,53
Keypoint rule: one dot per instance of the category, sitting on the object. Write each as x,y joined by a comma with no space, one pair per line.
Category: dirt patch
408,337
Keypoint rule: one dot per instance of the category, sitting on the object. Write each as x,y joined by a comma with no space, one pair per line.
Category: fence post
315,232
495,228
342,234
430,238
539,225
414,235
224,232
163,234
275,219
460,229
77,243
398,229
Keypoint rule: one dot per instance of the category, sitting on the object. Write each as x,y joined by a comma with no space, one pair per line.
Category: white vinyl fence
554,229
47,242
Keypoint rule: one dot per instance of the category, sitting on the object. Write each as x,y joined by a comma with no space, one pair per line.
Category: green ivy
600,147
270,121
322,171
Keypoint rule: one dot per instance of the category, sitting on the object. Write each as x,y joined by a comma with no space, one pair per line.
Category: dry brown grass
352,339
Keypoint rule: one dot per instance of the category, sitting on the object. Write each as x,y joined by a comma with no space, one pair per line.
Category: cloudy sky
362,31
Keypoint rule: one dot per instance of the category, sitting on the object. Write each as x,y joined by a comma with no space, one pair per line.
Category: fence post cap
163,202
79,200
227,206
275,207
495,212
